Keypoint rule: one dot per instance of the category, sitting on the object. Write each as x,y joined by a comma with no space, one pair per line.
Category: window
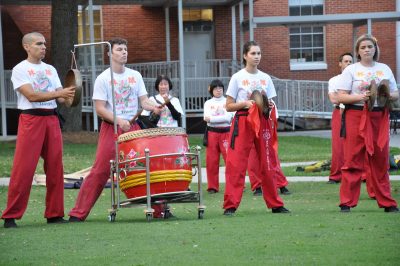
83,27
306,42
197,20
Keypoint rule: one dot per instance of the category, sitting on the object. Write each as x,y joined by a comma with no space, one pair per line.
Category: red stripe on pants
237,160
354,157
217,145
253,169
37,136
94,183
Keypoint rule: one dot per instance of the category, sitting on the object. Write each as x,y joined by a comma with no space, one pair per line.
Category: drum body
167,173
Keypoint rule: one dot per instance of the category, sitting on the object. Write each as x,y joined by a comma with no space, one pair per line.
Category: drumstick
135,117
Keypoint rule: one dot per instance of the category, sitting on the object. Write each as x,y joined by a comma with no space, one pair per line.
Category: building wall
144,28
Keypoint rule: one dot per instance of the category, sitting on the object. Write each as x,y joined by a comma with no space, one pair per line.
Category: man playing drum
39,135
129,92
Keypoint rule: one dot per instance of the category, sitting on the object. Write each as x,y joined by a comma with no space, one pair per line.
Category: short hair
343,55
161,78
215,83
367,37
28,38
246,49
117,41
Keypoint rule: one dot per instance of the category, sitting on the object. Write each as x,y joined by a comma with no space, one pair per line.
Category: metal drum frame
162,198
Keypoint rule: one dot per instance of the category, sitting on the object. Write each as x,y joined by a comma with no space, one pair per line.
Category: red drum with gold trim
167,173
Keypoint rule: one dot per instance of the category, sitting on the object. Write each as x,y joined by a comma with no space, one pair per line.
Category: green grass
291,149
315,233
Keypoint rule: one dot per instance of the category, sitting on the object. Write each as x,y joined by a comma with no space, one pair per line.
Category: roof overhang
355,18
148,3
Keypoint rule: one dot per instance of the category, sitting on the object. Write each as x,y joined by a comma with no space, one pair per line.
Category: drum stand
163,198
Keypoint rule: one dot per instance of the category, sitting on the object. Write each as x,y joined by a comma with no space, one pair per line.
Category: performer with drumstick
129,92
247,132
37,86
171,112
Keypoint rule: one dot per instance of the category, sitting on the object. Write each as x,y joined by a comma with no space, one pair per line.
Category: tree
64,34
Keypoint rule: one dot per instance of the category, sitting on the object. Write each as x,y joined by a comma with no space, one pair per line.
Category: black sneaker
280,210
344,208
56,220
229,211
391,209
284,191
331,181
257,192
73,219
212,191
9,223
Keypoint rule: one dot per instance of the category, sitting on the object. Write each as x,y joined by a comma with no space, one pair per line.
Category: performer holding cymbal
248,131
37,86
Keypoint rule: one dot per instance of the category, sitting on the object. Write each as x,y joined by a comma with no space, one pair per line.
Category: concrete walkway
394,142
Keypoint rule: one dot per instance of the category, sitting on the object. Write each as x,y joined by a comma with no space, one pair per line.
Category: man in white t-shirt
129,92
37,86
337,142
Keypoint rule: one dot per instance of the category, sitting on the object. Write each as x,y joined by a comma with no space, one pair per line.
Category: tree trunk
64,34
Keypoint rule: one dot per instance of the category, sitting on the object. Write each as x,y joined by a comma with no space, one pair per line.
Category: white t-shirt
166,119
333,84
243,83
356,78
43,78
215,109
128,86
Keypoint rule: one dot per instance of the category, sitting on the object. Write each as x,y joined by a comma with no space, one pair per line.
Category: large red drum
167,173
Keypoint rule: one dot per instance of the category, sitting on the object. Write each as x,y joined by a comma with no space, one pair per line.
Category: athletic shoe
331,181
391,209
56,220
344,208
257,192
229,211
284,191
73,219
212,191
280,210
9,223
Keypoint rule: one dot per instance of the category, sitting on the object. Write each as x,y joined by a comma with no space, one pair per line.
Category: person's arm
175,114
39,96
232,106
108,116
149,105
333,97
345,97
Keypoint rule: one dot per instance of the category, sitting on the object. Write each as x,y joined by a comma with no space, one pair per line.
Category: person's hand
68,93
157,109
365,96
248,104
270,104
165,97
123,124
207,119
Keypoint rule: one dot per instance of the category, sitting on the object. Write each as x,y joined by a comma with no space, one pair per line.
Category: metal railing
295,98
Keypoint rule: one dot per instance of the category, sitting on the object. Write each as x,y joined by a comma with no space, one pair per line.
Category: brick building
291,49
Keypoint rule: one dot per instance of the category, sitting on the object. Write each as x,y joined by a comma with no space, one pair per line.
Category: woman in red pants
366,126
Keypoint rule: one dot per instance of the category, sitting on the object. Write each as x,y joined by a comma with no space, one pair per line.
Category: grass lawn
291,149
315,233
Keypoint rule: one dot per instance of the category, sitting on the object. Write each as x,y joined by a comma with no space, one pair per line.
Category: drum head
74,78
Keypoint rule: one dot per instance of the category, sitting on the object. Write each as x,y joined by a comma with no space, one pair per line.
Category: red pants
94,183
37,136
217,144
337,147
354,155
237,160
253,169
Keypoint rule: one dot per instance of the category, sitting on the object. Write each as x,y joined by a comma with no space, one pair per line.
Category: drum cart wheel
149,216
112,216
200,214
